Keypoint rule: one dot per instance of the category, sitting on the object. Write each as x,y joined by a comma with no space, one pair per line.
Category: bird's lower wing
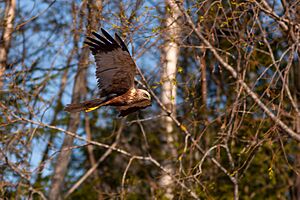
126,110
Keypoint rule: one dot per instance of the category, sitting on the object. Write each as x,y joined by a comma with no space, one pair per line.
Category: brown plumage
115,71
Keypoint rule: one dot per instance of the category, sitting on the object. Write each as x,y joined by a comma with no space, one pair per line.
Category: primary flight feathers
115,71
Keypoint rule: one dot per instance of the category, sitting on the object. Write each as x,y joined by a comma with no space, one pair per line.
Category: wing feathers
123,45
101,38
92,45
105,44
96,41
108,37
115,68
126,110
107,69
97,45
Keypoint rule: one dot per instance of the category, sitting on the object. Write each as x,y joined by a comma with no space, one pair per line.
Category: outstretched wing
115,68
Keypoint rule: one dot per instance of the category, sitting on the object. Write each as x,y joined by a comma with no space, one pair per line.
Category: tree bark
296,82
170,57
65,153
79,91
8,28
296,74
169,87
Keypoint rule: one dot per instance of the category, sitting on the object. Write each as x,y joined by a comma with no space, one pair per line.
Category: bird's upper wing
115,67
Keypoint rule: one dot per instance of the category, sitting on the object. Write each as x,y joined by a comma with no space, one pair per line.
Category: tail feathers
86,106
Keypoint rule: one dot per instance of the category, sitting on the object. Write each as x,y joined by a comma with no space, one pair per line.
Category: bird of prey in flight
115,72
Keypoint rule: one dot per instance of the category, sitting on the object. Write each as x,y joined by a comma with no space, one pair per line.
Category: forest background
224,76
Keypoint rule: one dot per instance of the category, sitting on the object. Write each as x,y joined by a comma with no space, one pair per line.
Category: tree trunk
170,57
8,28
296,74
65,153
79,91
168,94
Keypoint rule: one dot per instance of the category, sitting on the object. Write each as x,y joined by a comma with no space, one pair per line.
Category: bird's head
143,95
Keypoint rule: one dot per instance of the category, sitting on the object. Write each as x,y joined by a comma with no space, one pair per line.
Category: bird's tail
86,106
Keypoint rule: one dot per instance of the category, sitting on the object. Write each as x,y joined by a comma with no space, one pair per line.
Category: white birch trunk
6,35
168,94
170,57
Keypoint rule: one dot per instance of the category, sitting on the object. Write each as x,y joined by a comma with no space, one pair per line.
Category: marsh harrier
115,71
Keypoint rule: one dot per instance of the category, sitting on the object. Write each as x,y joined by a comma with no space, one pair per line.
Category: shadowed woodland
224,77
